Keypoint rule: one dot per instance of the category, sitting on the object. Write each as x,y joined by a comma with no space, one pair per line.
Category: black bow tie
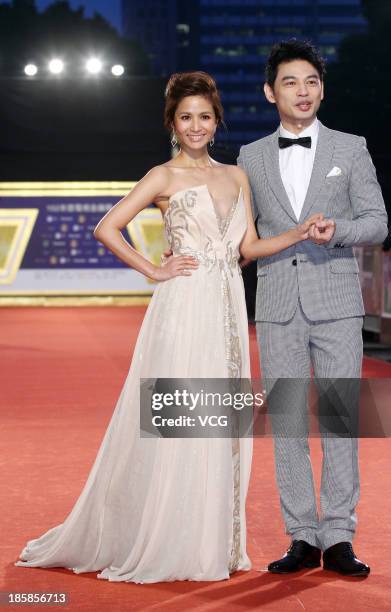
283,143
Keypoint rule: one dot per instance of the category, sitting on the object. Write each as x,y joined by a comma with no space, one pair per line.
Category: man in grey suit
309,308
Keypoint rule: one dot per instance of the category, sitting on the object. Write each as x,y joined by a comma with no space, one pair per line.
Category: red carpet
61,372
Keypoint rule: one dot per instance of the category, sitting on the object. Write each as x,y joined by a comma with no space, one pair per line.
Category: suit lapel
272,168
322,164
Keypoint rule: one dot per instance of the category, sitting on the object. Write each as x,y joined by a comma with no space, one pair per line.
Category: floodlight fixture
56,66
117,70
30,69
93,65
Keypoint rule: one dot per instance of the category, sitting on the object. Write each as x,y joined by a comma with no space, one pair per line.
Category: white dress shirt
296,164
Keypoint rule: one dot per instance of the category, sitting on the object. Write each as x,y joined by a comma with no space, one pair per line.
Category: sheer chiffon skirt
163,509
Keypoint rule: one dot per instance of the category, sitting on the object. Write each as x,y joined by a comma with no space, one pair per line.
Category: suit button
294,262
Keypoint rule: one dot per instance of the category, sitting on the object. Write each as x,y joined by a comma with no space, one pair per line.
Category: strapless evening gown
163,509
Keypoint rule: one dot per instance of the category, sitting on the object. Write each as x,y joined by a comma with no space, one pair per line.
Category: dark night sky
110,9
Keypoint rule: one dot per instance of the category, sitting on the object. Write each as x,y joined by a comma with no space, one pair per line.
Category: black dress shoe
341,558
299,555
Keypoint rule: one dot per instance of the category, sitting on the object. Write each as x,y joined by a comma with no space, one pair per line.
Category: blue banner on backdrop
47,243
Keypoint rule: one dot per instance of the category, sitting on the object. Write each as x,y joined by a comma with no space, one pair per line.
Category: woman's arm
108,230
253,247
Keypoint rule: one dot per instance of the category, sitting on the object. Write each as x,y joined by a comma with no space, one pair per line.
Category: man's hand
322,231
302,230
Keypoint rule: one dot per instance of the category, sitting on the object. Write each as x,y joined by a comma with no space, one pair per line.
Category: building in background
231,39
153,24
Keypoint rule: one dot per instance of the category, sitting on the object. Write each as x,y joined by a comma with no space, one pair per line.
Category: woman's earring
211,143
174,141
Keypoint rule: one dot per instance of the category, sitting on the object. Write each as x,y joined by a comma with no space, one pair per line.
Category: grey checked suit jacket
325,276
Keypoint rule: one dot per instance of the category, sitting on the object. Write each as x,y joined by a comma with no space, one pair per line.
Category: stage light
56,66
117,70
94,65
30,69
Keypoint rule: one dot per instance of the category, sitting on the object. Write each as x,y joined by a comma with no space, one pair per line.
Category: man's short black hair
289,50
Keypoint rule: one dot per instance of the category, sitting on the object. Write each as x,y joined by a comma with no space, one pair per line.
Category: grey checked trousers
334,349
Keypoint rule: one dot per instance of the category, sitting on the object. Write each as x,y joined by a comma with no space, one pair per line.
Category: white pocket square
334,172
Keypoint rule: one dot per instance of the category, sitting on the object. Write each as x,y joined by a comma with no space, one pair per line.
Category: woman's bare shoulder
160,171
237,173
157,177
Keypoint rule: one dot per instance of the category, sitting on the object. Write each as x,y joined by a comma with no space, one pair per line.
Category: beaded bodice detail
194,226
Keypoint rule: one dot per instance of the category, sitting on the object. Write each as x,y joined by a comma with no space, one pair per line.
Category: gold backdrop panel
16,225
146,231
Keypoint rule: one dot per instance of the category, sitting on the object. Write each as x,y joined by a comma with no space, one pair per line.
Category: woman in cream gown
162,509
